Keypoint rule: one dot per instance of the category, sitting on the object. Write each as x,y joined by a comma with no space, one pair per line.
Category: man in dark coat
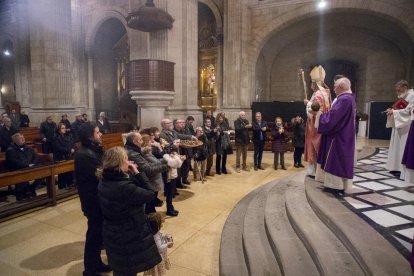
169,134
241,127
47,131
19,156
298,140
6,132
24,120
209,115
76,127
259,138
87,160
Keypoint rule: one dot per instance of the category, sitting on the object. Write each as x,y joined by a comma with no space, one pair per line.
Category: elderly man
259,139
15,119
76,125
335,167
19,156
241,127
48,131
6,133
399,120
171,135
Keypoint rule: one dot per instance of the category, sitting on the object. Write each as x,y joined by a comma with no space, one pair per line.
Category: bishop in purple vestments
337,149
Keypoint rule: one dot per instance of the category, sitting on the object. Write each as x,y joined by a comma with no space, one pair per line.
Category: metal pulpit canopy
149,18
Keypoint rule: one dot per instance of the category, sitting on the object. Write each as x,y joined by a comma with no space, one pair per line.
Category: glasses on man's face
63,128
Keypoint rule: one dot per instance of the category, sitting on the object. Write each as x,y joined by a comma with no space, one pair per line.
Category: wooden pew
48,172
111,140
32,137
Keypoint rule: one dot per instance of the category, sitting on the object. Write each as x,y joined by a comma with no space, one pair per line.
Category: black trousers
65,180
221,160
93,244
209,164
258,152
185,169
169,193
297,155
150,206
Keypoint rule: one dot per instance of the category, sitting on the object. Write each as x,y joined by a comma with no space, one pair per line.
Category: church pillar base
152,105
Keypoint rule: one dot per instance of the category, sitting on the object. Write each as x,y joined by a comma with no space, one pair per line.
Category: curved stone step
259,254
232,259
327,251
373,252
291,253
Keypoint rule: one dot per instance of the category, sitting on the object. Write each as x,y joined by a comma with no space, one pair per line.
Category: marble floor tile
385,218
407,245
397,183
378,199
407,210
375,186
357,178
357,204
382,165
369,168
409,233
355,190
401,195
368,161
371,175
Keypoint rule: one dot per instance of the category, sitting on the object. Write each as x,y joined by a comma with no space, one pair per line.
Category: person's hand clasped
132,168
389,111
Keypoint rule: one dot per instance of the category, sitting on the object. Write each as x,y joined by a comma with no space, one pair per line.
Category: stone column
91,90
79,69
51,57
183,51
21,51
236,88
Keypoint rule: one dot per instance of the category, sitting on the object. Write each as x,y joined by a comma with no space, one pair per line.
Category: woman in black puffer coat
123,192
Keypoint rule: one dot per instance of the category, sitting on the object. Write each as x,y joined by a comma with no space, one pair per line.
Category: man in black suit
19,156
87,159
259,139
6,132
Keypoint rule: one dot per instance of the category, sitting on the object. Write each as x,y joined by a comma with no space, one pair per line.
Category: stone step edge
238,207
270,237
313,250
264,189
320,208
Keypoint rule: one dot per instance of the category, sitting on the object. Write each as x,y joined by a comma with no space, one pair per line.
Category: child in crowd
174,161
200,156
298,140
279,143
163,242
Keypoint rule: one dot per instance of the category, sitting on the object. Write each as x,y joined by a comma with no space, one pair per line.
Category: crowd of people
57,139
119,188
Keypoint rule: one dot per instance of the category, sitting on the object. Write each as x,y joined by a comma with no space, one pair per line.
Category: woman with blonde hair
123,192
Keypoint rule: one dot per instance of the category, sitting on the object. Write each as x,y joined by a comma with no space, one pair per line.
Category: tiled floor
387,204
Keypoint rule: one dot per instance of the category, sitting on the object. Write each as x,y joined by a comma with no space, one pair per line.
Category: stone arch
99,19
267,25
213,7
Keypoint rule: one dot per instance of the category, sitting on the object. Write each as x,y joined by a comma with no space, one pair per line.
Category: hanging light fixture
149,18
